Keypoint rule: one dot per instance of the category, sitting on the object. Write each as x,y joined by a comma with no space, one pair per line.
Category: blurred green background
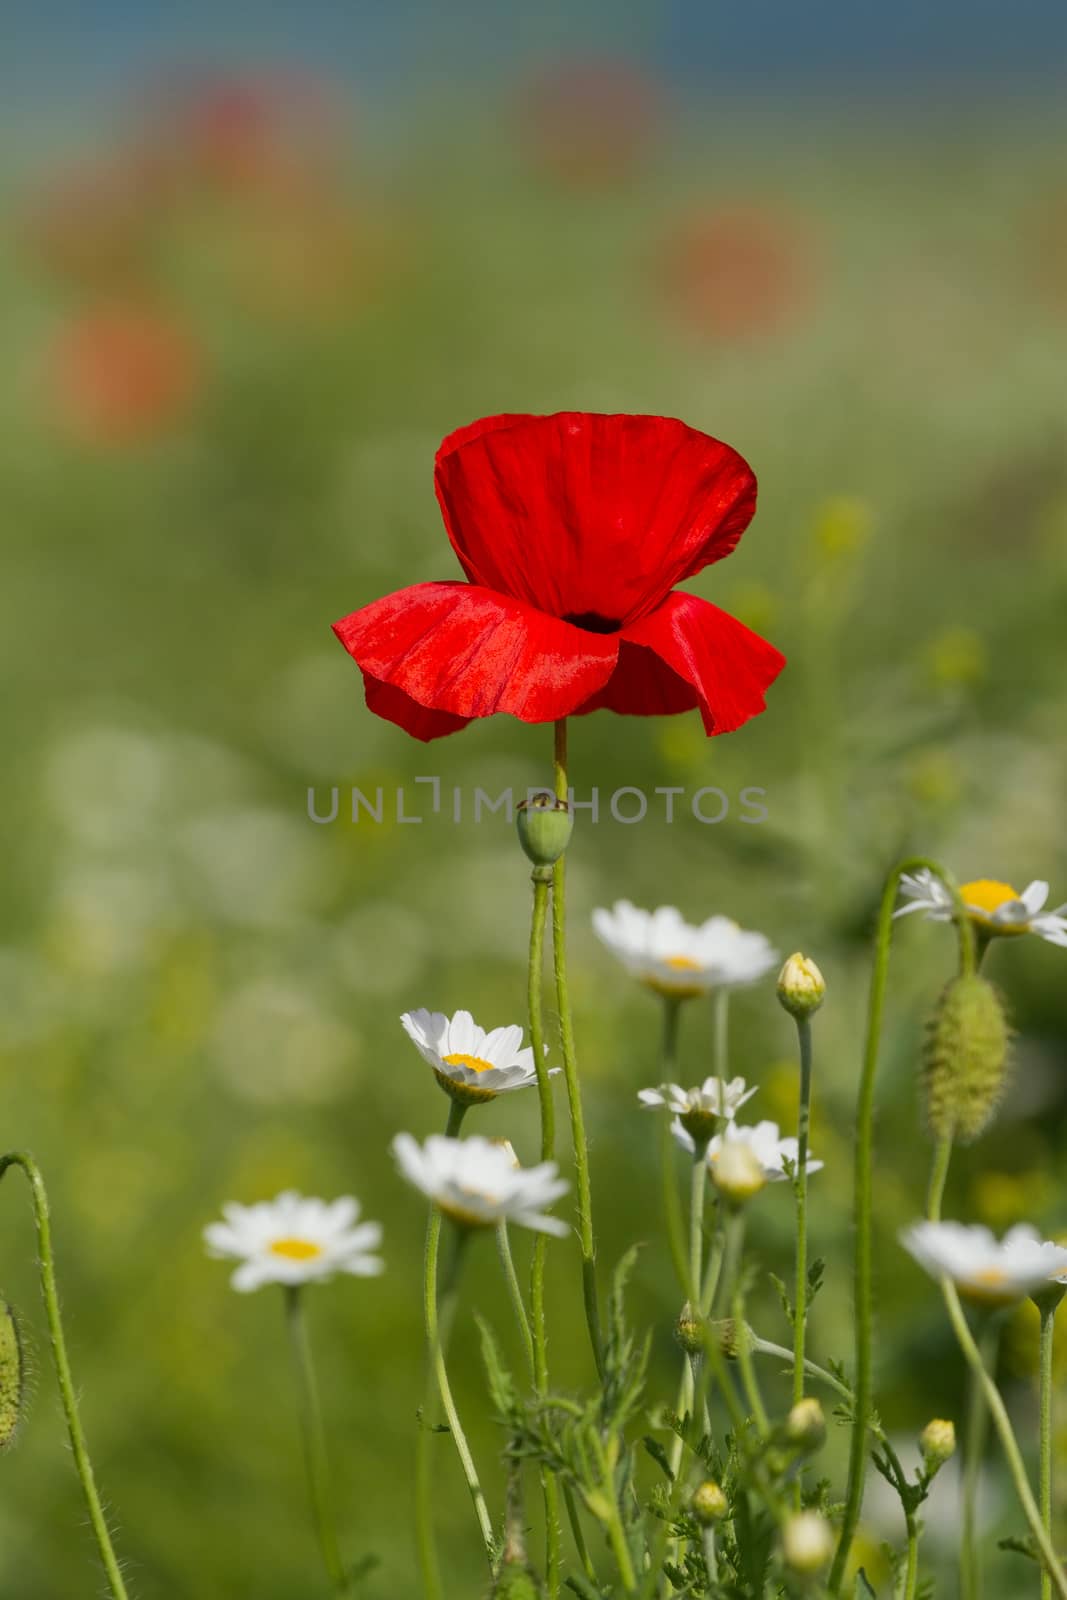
240,306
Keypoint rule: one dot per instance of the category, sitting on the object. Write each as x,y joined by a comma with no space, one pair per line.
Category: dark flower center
592,622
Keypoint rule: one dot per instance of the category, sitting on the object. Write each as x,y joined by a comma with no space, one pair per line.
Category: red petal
690,653
465,652
589,516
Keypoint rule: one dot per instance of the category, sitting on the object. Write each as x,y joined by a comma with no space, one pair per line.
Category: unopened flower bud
708,1504
689,1330
937,1443
805,1425
736,1172
807,1543
12,1375
515,1581
801,987
965,1059
545,825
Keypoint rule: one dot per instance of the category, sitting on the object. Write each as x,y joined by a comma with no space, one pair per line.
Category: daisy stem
686,1388
735,1245
425,1538
314,1437
539,1336
721,1048
1002,1423
974,1440
570,1069
50,1295
511,1278
439,1315
862,1196
1048,1321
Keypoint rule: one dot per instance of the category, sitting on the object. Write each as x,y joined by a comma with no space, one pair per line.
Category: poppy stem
68,1397
534,985
315,1457
1048,1322
862,1191
570,1070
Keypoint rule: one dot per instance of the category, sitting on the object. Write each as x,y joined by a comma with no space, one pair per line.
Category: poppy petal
590,517
689,653
437,654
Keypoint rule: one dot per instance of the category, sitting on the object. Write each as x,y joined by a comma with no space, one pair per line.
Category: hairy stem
570,1071
1048,1320
316,1459
801,1185
438,1326
539,1334
68,1397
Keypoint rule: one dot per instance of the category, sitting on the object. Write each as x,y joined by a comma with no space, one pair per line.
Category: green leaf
658,1454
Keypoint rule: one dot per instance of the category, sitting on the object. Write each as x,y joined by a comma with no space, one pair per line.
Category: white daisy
995,908
478,1182
762,1138
293,1240
982,1267
699,1110
470,1064
677,959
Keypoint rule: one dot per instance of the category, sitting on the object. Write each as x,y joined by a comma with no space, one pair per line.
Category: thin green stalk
735,1243
577,1535
438,1326
425,1537
711,1560
511,1278
570,1071
68,1398
938,1174
534,1004
1002,1423
697,1185
313,1433
800,1320
911,1564
616,1532
721,1047
1048,1321
863,1201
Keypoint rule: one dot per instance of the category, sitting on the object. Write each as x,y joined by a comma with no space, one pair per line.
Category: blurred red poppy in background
123,373
90,225
572,531
589,122
737,273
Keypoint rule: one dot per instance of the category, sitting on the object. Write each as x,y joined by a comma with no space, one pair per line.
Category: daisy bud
807,1543
689,1330
937,1443
12,1375
736,1172
965,1059
801,987
545,825
709,1504
805,1425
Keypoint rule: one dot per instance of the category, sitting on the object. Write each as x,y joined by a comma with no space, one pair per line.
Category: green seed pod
545,825
965,1059
12,1375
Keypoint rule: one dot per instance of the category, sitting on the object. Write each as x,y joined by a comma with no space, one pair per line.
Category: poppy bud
709,1504
12,1375
689,1330
805,1425
801,987
807,1543
735,1171
965,1059
545,825
937,1443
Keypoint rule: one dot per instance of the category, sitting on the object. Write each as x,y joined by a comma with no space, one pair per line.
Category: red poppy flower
572,530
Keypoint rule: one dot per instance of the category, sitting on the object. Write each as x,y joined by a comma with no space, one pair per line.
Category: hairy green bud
965,1060
733,1337
515,1581
709,1504
689,1330
12,1375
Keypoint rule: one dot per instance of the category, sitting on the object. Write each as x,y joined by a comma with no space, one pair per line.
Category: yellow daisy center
295,1249
985,897
682,963
988,1277
474,1063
